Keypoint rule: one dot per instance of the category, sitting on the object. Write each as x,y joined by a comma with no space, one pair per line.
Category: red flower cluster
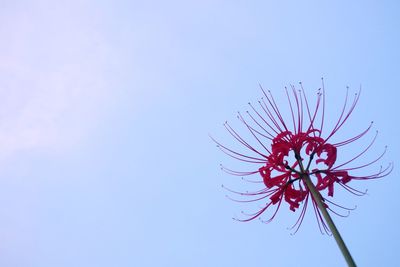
296,153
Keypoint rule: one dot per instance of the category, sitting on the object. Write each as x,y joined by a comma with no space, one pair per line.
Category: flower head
286,153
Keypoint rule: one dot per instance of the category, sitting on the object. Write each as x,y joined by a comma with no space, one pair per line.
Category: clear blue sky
105,111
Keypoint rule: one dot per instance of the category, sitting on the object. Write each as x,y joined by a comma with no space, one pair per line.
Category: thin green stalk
321,205
318,199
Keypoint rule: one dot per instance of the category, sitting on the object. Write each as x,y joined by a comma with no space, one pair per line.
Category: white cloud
53,61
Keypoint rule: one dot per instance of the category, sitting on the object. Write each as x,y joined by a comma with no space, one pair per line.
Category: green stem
321,205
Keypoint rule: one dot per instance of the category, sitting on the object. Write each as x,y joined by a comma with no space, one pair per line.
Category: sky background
106,109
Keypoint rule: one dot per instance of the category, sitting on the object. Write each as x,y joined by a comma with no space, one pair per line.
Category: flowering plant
297,160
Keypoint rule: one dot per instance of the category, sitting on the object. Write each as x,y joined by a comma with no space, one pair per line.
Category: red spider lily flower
285,154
